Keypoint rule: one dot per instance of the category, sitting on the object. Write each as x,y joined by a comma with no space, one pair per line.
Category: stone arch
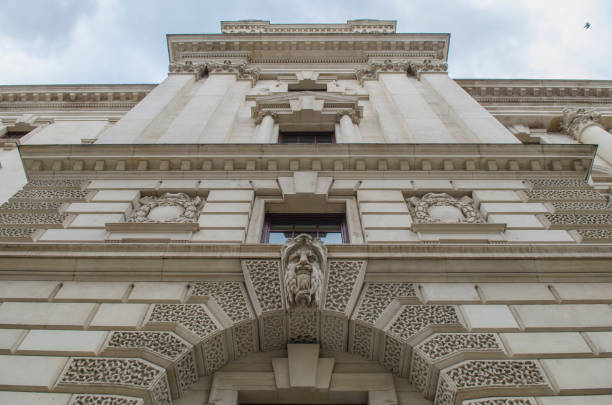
384,321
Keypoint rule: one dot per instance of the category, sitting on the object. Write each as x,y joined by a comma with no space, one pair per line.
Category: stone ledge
164,227
442,228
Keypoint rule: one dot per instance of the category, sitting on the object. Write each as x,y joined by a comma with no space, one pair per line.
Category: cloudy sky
123,41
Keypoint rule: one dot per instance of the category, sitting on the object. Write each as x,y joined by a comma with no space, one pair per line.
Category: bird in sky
587,25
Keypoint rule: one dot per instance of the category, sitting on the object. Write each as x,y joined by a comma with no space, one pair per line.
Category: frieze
27,220
30,206
579,220
17,234
595,235
558,183
576,207
50,195
560,195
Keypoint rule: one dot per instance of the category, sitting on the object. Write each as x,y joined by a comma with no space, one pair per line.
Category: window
330,228
306,137
14,134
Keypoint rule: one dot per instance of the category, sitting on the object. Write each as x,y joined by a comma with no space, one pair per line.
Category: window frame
313,134
319,219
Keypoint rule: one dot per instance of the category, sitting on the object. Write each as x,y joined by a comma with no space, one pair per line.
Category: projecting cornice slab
430,160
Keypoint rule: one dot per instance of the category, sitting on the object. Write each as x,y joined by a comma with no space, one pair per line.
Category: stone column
265,130
347,129
583,124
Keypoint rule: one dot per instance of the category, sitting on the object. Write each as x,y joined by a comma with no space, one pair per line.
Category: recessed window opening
307,137
329,228
14,134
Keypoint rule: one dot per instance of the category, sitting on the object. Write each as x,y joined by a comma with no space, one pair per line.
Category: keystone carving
303,262
430,209
575,120
170,207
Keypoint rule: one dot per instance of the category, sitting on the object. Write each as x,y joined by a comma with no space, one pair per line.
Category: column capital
371,71
187,67
240,69
575,120
427,66
352,114
260,115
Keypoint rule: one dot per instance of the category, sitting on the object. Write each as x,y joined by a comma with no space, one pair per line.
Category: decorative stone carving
92,399
193,317
28,207
568,194
437,351
187,67
28,219
230,296
138,374
362,340
374,68
376,297
557,183
443,208
244,339
241,69
595,235
273,332
342,280
333,333
415,319
574,220
215,354
175,353
501,401
392,355
579,206
303,326
303,263
170,207
575,120
259,115
23,234
427,66
55,184
263,276
521,375
50,195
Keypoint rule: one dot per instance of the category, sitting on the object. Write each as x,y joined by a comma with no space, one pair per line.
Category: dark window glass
306,137
330,228
14,134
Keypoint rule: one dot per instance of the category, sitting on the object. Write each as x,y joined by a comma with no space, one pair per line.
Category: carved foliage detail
273,332
87,399
442,345
265,281
415,318
193,317
420,208
501,401
333,333
228,294
165,344
576,119
342,277
186,209
377,297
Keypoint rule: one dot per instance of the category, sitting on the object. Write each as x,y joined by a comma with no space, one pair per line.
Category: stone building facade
307,213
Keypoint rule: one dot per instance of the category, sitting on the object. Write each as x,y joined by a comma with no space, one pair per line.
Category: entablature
466,160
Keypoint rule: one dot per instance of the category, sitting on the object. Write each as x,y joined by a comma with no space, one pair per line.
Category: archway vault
383,321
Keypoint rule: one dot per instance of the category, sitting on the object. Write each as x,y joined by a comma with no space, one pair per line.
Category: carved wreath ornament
181,208
420,208
303,262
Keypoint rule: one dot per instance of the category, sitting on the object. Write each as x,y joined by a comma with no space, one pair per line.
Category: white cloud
112,41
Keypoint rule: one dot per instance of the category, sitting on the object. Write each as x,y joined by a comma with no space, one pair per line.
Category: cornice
363,26
195,160
300,48
415,262
547,92
59,97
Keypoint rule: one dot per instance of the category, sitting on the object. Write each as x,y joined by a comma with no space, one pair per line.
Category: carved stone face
303,261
